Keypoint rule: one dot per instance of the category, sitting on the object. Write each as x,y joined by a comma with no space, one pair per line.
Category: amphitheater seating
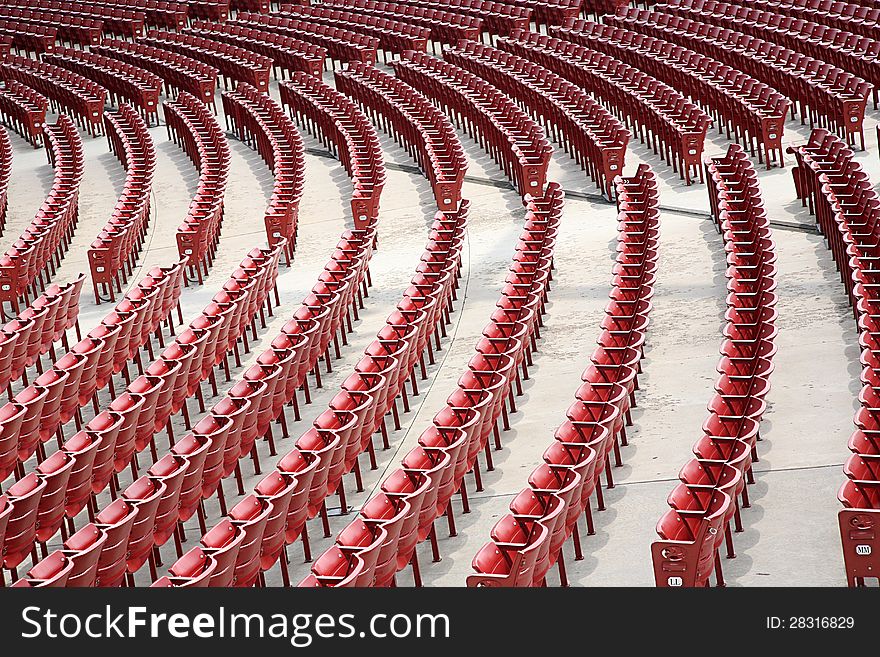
114,21
261,122
287,54
674,127
24,37
157,13
827,95
125,83
24,110
178,72
342,45
233,63
114,251
66,90
587,131
196,130
69,29
5,173
497,17
741,105
692,532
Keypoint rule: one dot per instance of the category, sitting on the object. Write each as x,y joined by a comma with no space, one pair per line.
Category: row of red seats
258,6
847,209
34,331
497,17
157,13
196,130
125,83
262,123
208,10
71,29
342,45
415,124
24,110
26,37
233,63
754,112
513,139
5,173
67,91
256,530
849,51
115,21
178,72
145,408
394,36
827,95
587,131
287,53
346,133
40,410
551,12
444,26
702,506
859,16
113,253
675,127
528,541
383,539
29,264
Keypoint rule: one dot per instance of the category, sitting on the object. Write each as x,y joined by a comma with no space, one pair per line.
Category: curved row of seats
68,92
497,17
827,95
343,45
851,52
256,530
510,136
157,13
705,501
234,64
551,12
262,123
89,366
444,26
178,72
754,112
311,104
528,540
394,36
5,173
414,123
25,37
287,53
144,408
113,253
847,209
674,126
209,10
125,83
28,265
35,330
24,110
192,126
70,29
119,22
587,131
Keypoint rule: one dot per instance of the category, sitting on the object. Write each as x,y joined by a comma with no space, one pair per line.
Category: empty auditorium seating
24,110
587,131
497,17
157,13
69,28
178,72
287,53
342,45
5,172
125,83
114,251
232,63
515,141
192,126
672,125
26,37
67,91
697,524
262,123
752,111
528,541
825,94
116,21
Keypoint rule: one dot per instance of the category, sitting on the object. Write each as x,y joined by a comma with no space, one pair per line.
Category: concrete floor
790,533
